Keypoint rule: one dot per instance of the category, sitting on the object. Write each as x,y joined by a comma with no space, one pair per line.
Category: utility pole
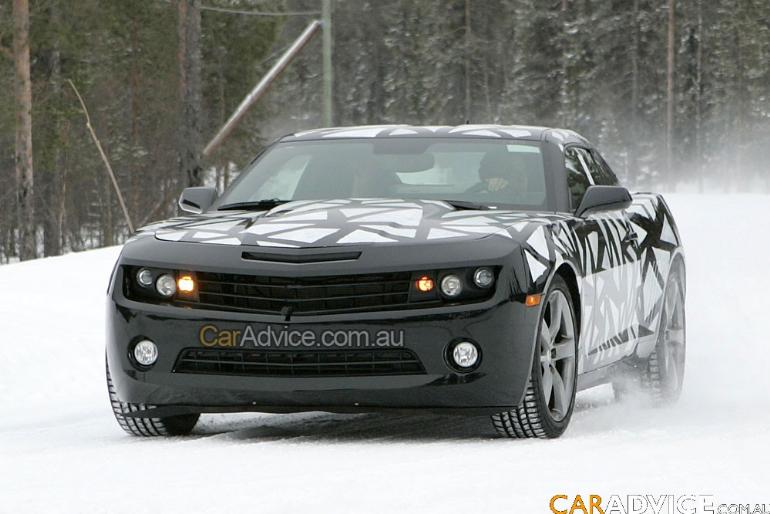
328,72
261,87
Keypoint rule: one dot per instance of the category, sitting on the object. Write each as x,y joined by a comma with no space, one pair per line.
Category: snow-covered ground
61,450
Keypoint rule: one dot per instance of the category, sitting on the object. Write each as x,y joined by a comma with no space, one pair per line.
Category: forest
675,93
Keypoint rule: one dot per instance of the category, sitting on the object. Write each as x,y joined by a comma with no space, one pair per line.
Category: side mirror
197,199
604,198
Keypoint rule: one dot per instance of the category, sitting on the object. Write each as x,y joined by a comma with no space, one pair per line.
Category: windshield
506,173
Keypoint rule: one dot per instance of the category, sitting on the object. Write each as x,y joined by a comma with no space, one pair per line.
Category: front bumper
503,328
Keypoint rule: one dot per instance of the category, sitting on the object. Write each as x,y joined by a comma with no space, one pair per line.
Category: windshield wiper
256,205
462,205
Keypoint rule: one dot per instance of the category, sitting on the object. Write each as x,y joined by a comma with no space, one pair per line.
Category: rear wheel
549,399
663,373
147,427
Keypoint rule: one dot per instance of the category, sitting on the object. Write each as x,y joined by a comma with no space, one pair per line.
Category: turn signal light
185,284
533,300
425,284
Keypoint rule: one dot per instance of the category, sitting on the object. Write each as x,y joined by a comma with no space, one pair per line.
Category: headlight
451,286
144,277
166,285
483,277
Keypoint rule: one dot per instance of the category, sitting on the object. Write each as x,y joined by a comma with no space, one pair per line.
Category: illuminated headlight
483,277
451,286
146,352
465,354
144,277
166,285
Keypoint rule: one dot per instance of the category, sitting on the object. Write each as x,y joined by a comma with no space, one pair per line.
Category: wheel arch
678,261
570,276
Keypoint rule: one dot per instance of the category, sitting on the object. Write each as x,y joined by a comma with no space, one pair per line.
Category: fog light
145,352
465,354
483,277
144,277
166,285
451,286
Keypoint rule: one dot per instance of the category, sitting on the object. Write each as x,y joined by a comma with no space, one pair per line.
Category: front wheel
549,399
147,427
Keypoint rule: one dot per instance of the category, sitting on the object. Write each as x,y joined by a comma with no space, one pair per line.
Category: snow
61,450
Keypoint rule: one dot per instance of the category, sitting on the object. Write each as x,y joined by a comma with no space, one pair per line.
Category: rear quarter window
577,179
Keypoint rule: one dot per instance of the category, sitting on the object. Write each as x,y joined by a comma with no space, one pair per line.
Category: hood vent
301,258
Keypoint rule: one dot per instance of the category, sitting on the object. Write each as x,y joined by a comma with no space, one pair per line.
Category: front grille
310,295
305,363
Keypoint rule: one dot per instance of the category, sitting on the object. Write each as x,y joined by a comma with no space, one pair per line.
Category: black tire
147,427
533,417
662,374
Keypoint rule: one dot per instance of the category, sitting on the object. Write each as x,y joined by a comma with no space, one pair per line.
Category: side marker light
533,300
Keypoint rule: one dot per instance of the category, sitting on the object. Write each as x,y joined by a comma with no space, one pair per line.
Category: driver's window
577,179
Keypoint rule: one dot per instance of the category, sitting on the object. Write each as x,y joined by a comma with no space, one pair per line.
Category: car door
613,273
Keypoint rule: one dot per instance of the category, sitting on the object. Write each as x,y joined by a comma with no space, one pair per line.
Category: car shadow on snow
317,426
320,426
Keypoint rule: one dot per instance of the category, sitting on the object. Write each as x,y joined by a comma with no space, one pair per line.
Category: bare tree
109,226
23,153
189,144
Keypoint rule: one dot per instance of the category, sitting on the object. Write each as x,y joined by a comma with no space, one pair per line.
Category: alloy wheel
671,354
557,355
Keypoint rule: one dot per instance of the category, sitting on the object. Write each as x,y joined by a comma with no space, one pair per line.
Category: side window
577,180
600,172
612,179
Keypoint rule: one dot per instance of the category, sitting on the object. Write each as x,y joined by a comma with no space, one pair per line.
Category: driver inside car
500,173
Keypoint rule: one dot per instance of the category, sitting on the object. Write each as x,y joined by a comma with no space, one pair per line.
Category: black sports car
471,269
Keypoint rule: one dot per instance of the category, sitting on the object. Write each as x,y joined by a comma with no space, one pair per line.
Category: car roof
521,132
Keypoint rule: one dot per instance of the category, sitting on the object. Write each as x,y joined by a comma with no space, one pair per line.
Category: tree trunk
135,72
23,152
467,61
222,169
670,93
56,191
698,100
739,181
189,145
633,154
566,120
375,106
327,63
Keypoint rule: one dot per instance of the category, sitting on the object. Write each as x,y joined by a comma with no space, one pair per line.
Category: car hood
305,224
